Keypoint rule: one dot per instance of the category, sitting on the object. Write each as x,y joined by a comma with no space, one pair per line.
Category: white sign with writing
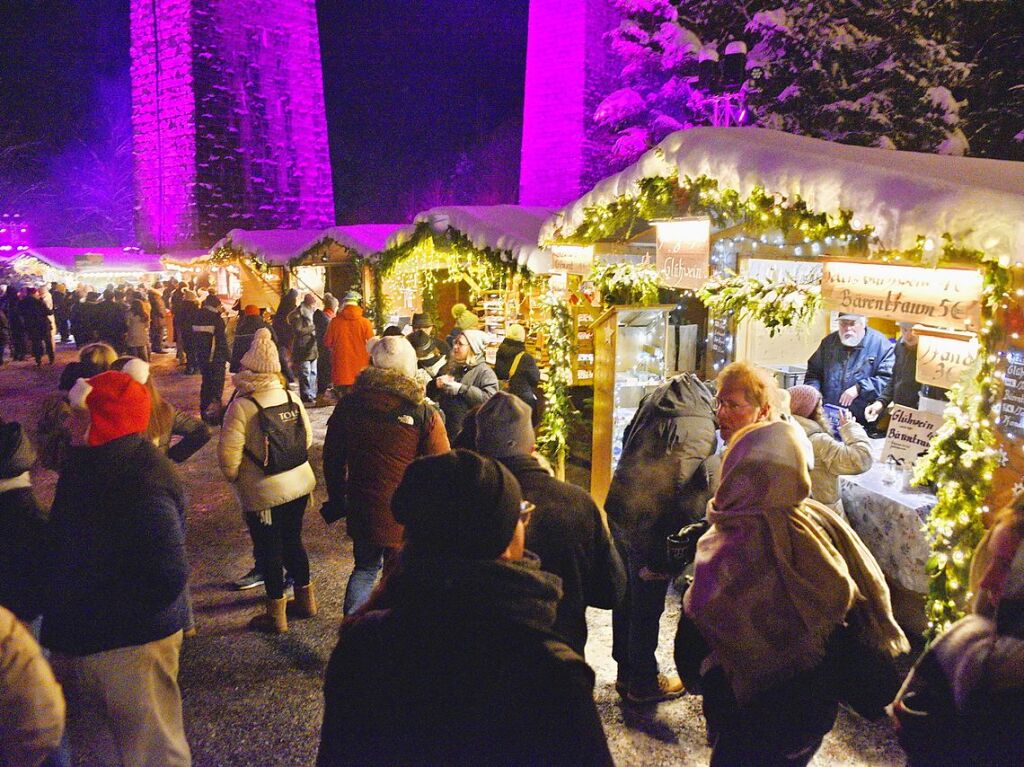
910,435
572,259
684,252
943,358
947,298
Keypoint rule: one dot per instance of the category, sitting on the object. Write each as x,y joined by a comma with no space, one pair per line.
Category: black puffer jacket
662,480
527,374
21,527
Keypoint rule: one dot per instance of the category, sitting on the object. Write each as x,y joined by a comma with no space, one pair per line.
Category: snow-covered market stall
788,233
97,267
258,266
481,256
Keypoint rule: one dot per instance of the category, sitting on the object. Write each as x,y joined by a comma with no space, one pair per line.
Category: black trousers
279,545
42,344
212,388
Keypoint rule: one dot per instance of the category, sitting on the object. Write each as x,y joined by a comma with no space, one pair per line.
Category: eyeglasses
526,512
721,404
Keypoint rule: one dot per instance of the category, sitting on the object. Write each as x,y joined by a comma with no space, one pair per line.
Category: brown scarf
770,584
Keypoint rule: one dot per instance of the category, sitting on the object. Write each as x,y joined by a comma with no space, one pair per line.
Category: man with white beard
851,366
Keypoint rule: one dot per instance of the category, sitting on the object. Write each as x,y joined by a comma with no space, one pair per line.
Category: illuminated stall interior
95,267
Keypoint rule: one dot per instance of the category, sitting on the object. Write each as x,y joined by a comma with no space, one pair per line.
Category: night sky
412,87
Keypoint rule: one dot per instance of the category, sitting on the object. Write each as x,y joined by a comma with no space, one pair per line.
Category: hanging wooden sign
944,356
947,298
572,259
684,252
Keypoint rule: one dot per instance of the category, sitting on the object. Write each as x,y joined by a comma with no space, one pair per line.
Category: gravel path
253,699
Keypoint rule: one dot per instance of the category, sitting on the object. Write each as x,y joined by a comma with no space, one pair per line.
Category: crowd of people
464,632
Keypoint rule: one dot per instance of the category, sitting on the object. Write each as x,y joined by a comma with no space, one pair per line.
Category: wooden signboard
684,252
572,259
947,298
1011,411
910,435
583,317
944,356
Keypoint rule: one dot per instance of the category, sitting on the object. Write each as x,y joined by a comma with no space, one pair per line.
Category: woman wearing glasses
746,394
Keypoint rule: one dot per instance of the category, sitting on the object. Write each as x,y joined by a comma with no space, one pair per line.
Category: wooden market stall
481,256
258,266
799,228
96,267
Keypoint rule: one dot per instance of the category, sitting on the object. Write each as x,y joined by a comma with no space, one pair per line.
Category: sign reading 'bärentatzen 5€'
947,298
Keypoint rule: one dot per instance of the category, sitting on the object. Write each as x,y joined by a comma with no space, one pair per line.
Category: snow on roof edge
980,202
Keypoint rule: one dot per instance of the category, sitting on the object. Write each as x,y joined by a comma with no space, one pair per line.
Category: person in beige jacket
31,701
278,501
832,458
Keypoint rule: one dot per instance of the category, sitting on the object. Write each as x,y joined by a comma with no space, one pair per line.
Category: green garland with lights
624,283
776,304
559,414
960,464
962,459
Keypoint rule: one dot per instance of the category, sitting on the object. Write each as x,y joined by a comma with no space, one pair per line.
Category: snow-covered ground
252,699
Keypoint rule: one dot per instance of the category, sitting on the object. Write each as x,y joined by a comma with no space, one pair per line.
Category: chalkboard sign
1011,413
720,342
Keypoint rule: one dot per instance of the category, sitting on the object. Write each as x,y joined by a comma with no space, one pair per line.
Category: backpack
284,437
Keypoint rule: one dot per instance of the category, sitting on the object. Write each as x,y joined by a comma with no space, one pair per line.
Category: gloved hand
452,386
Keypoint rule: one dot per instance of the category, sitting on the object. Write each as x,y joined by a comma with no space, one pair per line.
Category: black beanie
457,504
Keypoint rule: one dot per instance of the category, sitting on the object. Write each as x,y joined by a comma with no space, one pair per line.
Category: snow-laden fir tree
865,72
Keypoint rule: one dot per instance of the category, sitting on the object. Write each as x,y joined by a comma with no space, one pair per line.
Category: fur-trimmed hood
391,382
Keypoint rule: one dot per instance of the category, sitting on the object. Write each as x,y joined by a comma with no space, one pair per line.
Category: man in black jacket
210,347
453,660
566,530
116,571
660,484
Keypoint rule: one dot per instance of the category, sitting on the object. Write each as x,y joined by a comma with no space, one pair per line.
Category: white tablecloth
890,521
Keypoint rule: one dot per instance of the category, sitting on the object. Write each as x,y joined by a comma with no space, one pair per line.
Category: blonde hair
100,355
758,386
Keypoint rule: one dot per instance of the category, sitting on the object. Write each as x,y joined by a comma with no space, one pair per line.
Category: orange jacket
346,337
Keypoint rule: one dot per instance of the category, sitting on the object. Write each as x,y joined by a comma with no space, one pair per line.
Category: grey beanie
503,427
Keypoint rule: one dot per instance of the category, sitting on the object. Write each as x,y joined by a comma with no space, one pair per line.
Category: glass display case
631,354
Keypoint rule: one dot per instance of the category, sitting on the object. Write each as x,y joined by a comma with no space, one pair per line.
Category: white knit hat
394,353
262,355
477,340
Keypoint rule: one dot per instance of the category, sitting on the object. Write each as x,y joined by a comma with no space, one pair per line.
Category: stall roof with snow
283,247
513,229
85,261
903,195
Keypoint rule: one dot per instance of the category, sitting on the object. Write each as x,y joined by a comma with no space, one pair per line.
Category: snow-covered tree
863,72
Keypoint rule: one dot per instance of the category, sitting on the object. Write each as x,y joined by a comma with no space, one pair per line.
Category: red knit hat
117,401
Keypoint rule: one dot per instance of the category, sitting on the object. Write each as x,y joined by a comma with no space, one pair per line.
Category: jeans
370,559
279,544
636,623
307,379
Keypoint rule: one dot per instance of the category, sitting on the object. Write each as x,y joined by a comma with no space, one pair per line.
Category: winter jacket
84,323
373,434
193,432
116,549
478,384
30,698
304,346
346,338
569,535
111,323
454,663
36,316
209,337
257,491
963,702
5,333
834,368
22,532
833,458
138,331
662,480
527,375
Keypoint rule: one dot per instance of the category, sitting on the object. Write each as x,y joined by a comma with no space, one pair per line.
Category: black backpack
284,437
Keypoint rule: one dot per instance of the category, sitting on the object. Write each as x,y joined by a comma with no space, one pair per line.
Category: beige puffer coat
241,428
31,701
833,458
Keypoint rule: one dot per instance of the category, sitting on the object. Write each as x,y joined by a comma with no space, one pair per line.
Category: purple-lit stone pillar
569,70
228,119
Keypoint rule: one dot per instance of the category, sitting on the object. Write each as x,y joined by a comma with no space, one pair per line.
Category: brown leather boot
304,605
274,620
